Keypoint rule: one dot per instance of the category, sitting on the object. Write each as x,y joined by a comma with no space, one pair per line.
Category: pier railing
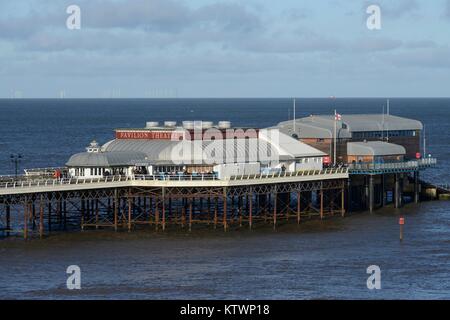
404,166
30,183
47,172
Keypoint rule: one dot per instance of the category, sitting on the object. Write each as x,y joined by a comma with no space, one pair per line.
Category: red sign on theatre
149,135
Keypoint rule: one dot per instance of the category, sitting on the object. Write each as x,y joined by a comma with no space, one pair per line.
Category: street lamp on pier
16,158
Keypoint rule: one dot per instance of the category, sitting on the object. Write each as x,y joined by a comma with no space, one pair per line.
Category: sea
314,260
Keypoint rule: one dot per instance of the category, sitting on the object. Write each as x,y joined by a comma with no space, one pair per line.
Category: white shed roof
289,146
374,148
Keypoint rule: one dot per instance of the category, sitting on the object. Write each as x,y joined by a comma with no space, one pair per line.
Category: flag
337,117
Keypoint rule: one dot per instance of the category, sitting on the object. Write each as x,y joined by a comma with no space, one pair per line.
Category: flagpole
293,121
424,143
334,155
388,113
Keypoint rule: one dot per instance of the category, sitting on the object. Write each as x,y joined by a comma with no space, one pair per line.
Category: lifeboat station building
359,137
195,148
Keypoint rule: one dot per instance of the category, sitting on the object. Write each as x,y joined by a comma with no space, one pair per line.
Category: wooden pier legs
25,218
240,210
8,219
183,212
96,214
275,205
416,187
163,200
250,208
82,214
321,203
398,190
156,215
190,214
129,213
371,193
225,209
41,216
127,207
49,205
216,209
116,209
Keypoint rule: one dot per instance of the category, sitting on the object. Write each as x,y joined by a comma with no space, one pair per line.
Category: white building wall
310,163
237,169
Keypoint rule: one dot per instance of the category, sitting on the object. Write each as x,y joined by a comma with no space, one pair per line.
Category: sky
224,48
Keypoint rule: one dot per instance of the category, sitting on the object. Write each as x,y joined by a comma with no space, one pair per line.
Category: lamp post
16,158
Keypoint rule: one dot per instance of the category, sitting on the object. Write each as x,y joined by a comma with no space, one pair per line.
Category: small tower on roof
93,147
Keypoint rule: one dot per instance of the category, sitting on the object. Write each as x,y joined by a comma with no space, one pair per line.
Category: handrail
160,177
411,164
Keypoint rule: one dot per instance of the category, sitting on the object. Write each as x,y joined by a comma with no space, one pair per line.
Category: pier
34,208
369,184
168,176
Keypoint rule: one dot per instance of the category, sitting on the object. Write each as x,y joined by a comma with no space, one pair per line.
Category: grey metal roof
190,152
374,148
153,149
322,126
268,148
282,147
105,159
286,145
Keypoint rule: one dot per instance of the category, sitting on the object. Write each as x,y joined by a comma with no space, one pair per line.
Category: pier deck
31,186
35,206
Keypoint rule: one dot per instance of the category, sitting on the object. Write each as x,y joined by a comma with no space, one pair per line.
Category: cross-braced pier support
163,208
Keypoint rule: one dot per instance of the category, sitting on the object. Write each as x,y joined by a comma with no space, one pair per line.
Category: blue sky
224,48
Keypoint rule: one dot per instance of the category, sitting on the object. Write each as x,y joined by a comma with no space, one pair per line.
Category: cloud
447,9
137,24
395,9
213,40
228,17
376,44
159,15
303,42
436,58
421,44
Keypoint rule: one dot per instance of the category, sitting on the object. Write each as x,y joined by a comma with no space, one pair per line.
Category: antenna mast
424,142
388,113
293,119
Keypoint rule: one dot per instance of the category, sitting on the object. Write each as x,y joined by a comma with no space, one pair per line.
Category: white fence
29,183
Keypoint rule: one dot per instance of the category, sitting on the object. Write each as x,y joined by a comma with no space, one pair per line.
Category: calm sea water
315,260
